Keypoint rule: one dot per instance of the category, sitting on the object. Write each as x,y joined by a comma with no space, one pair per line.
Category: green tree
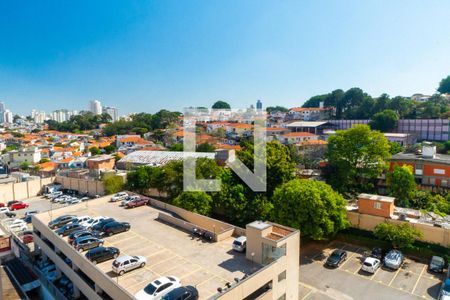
25,166
44,160
437,204
401,185
395,148
221,105
205,147
110,149
113,183
356,157
197,202
312,206
444,86
271,109
95,151
400,236
176,147
384,121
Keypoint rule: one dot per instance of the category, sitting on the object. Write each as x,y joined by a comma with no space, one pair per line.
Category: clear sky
148,55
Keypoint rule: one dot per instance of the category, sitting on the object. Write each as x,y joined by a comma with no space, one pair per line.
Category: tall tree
444,86
197,202
312,206
356,157
402,185
384,121
401,236
221,105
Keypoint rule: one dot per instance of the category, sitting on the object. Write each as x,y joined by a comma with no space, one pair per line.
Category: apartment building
162,233
310,113
430,169
30,155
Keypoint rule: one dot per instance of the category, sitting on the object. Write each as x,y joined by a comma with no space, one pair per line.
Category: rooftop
161,157
306,124
376,197
169,250
438,158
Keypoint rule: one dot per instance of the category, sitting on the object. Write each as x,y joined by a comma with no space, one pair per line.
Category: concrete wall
23,190
221,229
430,233
92,187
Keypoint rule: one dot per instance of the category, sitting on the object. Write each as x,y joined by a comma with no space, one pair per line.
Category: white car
128,199
10,222
4,210
371,265
74,201
81,219
158,288
92,222
18,227
119,196
127,263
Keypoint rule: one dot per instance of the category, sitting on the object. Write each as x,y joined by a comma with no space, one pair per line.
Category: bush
399,235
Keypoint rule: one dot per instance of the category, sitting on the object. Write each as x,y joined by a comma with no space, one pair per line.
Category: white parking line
392,280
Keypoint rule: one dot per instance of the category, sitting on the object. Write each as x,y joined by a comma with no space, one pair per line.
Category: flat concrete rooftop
169,250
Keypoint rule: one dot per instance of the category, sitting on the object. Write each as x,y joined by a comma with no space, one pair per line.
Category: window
439,171
282,276
377,205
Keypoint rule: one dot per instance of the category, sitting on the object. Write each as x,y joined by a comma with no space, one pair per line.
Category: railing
16,282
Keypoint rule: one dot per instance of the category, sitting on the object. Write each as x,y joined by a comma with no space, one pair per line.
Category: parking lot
168,250
411,281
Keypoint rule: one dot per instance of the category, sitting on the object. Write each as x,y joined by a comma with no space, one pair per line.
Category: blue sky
148,55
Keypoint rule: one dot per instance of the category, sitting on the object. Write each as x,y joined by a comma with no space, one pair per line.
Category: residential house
297,137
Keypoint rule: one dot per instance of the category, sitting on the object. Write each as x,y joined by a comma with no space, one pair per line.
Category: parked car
119,196
378,253
394,259
74,201
444,293
182,293
18,227
9,203
93,222
115,227
436,264
69,228
31,212
336,258
2,204
18,205
54,195
27,238
9,214
136,202
10,222
60,221
371,265
4,210
82,233
127,263
99,225
81,219
101,254
128,199
158,288
86,243
240,244
85,199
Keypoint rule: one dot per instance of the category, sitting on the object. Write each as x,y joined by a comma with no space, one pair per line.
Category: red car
2,204
136,203
18,205
27,238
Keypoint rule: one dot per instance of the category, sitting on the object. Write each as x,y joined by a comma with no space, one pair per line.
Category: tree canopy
221,105
401,184
400,236
197,202
113,183
356,157
271,109
83,121
444,86
384,121
312,206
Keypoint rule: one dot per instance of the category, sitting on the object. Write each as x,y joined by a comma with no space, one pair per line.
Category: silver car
394,259
127,263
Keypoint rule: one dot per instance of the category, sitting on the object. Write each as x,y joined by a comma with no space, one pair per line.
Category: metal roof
158,158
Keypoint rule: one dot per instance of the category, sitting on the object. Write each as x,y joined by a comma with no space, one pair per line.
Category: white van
240,244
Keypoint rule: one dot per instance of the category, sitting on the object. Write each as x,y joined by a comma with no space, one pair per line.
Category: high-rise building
112,111
95,107
2,106
259,105
6,116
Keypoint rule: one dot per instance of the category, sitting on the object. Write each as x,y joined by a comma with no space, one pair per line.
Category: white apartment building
112,111
15,158
95,107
